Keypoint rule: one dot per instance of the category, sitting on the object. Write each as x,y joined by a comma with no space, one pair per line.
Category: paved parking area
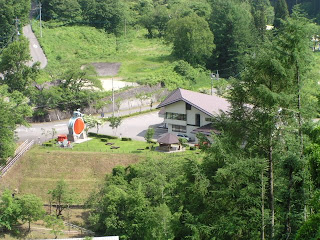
133,127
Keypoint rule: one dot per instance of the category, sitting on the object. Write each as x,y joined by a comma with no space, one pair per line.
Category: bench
109,143
114,147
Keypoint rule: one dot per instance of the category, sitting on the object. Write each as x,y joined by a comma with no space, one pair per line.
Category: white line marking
58,125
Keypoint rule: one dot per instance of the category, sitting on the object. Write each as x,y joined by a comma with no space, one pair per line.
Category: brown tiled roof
206,130
209,104
168,138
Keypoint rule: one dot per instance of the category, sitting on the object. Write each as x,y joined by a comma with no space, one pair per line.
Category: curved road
36,51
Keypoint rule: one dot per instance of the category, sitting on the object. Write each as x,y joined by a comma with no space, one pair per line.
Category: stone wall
128,101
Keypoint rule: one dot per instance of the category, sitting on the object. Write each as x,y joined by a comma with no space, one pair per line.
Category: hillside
143,60
40,169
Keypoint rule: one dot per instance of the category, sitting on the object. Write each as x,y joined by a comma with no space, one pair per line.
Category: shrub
47,144
91,134
126,139
104,139
192,148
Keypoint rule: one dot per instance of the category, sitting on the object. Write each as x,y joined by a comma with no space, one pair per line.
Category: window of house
188,106
179,128
197,120
176,116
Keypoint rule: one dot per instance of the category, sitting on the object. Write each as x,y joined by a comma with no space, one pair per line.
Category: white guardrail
25,146
78,227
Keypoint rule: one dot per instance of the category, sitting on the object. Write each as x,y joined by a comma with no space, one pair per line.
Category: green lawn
126,147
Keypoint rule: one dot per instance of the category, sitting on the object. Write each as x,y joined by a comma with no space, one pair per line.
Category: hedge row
91,134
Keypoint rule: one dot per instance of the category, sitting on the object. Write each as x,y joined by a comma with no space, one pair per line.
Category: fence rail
19,152
79,228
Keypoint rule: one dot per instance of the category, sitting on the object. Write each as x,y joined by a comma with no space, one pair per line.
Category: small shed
166,140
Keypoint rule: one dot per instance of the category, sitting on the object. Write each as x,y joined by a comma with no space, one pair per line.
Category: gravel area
106,69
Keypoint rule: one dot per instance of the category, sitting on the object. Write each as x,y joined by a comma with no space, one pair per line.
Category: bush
147,147
192,148
91,134
104,139
126,139
47,144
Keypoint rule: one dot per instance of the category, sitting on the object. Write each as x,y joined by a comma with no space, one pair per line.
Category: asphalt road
133,127
36,51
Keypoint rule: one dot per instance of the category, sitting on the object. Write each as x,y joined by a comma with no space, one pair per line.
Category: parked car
184,136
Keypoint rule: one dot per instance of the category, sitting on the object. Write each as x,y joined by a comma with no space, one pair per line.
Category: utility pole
112,99
214,77
40,7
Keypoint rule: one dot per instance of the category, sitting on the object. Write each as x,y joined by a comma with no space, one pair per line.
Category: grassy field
83,168
40,169
78,45
143,60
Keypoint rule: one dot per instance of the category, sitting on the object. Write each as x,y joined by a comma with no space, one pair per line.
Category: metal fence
24,147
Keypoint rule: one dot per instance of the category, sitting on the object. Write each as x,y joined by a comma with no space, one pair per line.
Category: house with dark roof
187,112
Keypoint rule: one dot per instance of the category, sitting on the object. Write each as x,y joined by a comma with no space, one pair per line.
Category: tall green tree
14,109
17,75
192,39
13,15
10,210
266,106
281,12
233,27
61,10
31,208
110,15
61,196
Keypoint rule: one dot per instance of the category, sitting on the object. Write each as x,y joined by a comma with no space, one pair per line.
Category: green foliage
61,196
13,110
31,208
114,122
192,39
15,208
55,224
149,134
281,12
310,229
62,10
17,75
91,134
108,15
10,210
138,202
233,27
9,10
126,139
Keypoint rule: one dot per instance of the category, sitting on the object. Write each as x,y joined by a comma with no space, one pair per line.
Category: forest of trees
260,179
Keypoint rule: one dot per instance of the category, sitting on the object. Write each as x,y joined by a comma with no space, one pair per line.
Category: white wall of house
177,107
180,107
191,116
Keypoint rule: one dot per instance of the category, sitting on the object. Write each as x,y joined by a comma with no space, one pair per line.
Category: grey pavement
133,127
36,51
